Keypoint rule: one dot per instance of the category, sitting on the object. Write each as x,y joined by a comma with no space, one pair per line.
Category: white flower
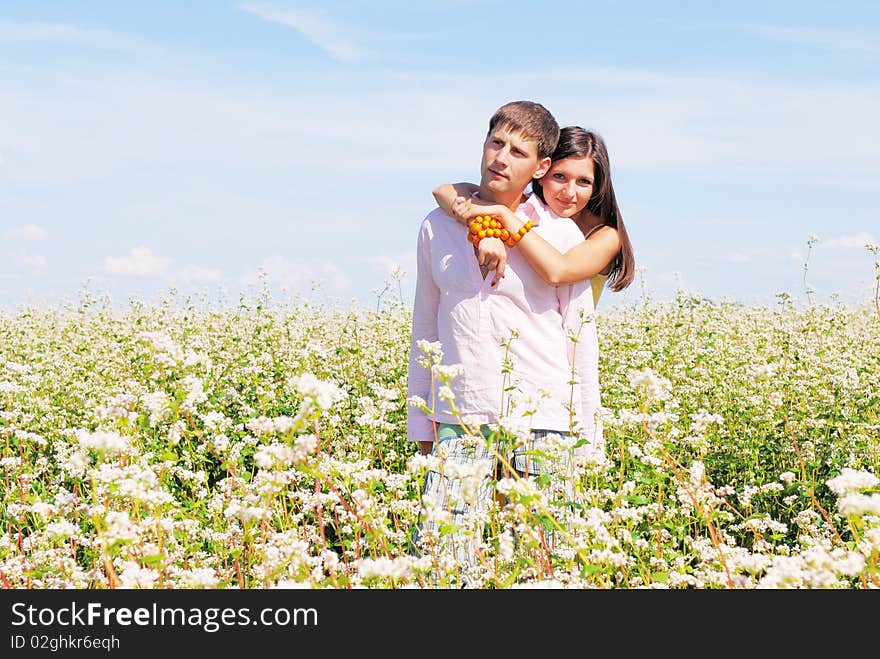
445,393
109,442
859,504
850,481
324,394
655,387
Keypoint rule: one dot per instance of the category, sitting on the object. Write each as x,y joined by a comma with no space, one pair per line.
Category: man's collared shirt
512,341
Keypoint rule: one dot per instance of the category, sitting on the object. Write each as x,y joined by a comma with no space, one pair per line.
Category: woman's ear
543,166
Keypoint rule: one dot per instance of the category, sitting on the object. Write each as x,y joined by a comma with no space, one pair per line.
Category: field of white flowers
260,445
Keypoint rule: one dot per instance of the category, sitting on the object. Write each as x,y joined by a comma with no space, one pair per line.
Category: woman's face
568,185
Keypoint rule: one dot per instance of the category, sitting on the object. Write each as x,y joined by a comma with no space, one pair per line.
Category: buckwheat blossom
74,464
61,529
859,504
135,482
121,406
763,371
284,424
517,426
133,575
104,441
16,368
285,554
42,509
870,543
216,421
7,387
220,443
175,432
373,414
852,480
303,447
654,387
168,353
31,437
447,372
198,577
398,568
274,456
702,419
195,393
418,463
432,352
324,394
787,477
244,513
157,405
261,426
445,393
119,528
815,567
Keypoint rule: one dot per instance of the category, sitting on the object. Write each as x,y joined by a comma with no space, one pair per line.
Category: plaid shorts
461,492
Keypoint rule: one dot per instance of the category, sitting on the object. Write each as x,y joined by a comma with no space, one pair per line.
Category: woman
577,186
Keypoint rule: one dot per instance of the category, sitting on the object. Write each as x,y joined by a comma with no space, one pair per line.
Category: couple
520,345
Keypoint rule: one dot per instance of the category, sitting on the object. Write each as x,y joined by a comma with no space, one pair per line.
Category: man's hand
492,255
462,210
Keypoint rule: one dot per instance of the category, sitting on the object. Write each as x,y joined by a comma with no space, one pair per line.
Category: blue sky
196,145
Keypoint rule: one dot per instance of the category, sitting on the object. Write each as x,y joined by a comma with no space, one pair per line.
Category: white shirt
456,306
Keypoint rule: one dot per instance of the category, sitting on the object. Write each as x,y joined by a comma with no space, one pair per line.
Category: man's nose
501,155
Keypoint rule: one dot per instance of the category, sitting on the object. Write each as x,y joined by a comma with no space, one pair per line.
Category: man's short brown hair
531,119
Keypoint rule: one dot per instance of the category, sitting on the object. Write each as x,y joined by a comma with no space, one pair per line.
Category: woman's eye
559,177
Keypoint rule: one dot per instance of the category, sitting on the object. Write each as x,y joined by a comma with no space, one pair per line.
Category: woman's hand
478,207
461,209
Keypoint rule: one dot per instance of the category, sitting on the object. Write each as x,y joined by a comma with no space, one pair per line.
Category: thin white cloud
833,38
298,274
26,232
140,262
194,275
850,241
335,39
751,254
34,263
387,265
648,120
74,35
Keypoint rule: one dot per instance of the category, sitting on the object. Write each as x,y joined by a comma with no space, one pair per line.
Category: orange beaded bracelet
485,226
517,235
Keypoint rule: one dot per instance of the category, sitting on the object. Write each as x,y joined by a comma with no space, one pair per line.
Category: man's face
510,162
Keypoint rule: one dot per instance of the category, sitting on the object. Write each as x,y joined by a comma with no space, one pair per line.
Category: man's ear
543,166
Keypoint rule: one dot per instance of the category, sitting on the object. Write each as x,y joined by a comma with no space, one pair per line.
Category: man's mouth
498,174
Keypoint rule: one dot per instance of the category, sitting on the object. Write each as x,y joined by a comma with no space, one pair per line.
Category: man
508,349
